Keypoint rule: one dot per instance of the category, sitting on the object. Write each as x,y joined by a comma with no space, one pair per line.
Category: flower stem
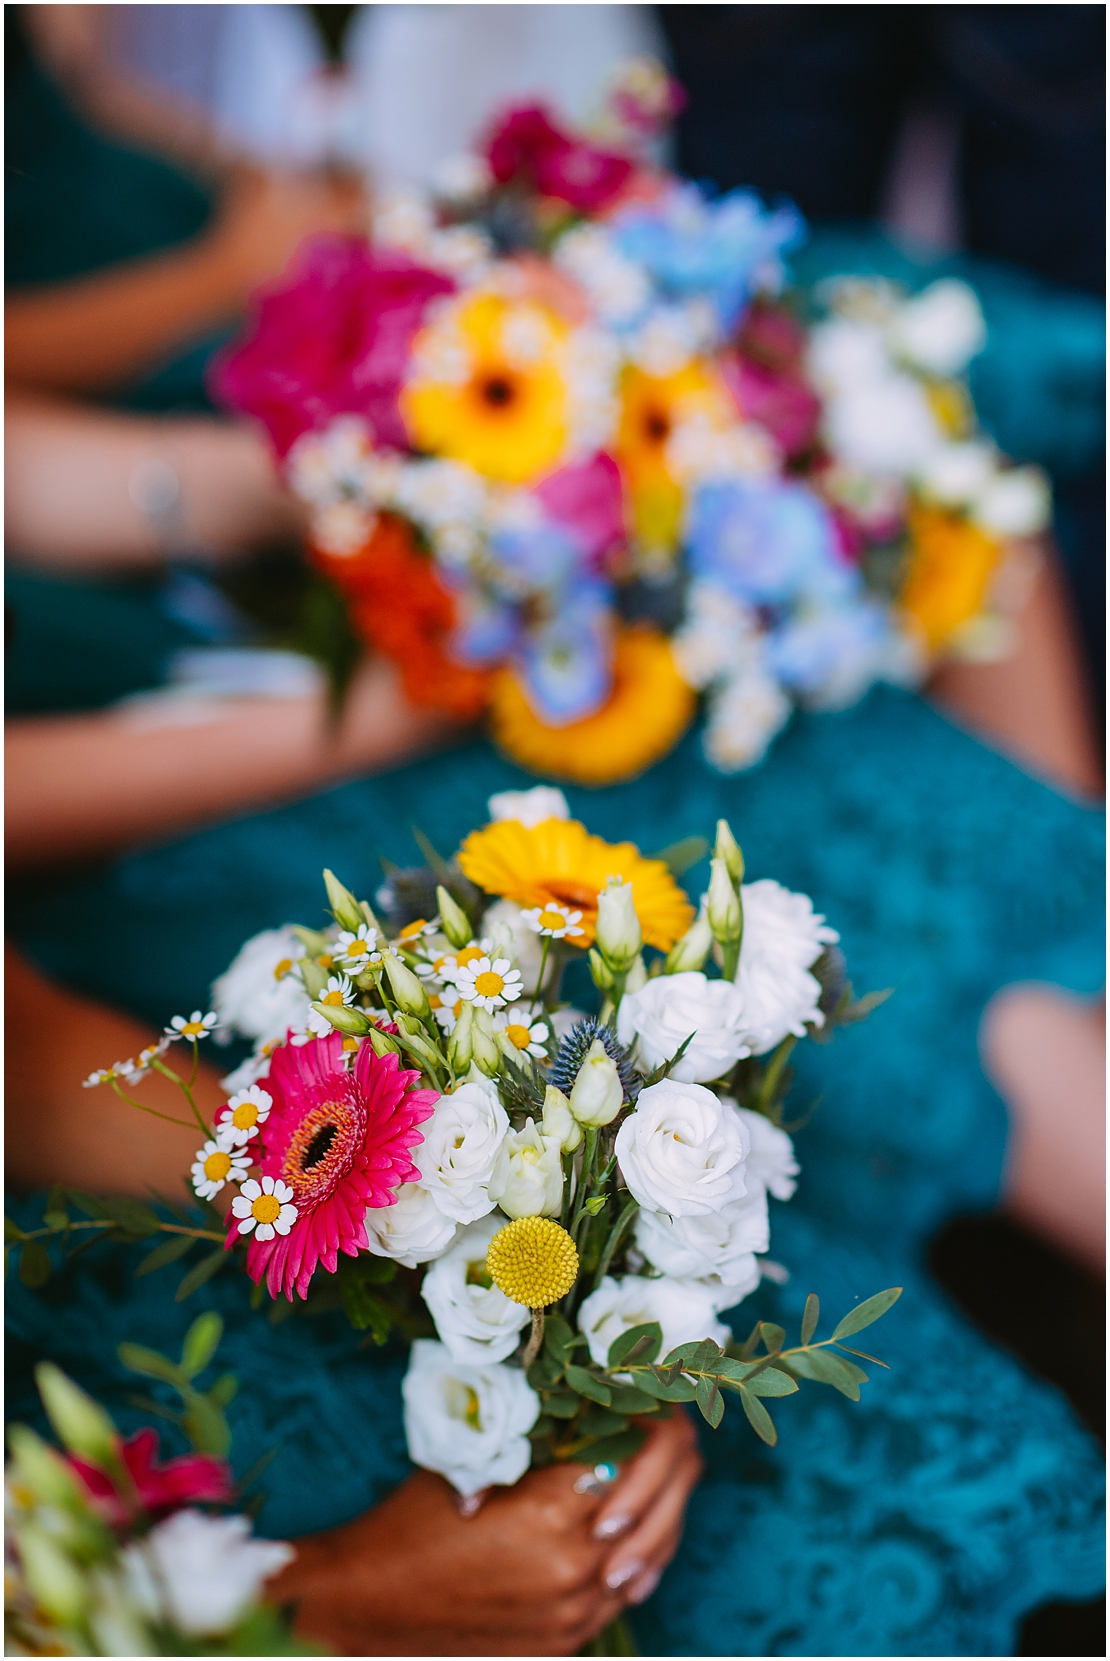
769,1083
142,1107
616,1235
544,949
534,1342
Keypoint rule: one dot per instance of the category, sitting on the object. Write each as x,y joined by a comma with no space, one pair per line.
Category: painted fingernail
609,1527
644,1587
616,1578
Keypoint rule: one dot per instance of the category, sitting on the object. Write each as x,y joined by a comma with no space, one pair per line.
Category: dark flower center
319,1146
656,426
498,391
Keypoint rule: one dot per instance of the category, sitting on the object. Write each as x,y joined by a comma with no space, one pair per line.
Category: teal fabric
959,1493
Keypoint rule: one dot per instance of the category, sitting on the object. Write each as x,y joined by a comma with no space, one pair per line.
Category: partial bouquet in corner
554,1208
577,456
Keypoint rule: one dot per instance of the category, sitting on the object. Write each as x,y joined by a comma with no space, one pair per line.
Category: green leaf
200,1343
375,1271
199,1273
206,1427
614,1449
34,1264
759,1418
661,1072
562,1404
168,1252
773,1336
12,1231
824,1368
600,1421
751,1343
55,1219
771,1382
56,1206
587,1385
544,1373
810,1318
558,1338
682,856
138,1359
88,1203
653,1383
710,1401
640,1343
365,1311
864,1313
628,1399
132,1215
694,1356
224,1391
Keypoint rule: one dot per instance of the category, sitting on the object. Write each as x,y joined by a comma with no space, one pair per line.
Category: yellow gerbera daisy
951,565
646,714
559,860
652,406
488,387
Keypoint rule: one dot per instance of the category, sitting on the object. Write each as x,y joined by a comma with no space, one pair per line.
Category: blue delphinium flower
487,629
567,662
763,540
829,655
534,559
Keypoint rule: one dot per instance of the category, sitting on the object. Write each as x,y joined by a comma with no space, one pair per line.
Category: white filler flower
783,937
257,995
529,807
474,1318
460,1147
413,1230
469,1423
200,1573
681,1151
665,1011
685,1310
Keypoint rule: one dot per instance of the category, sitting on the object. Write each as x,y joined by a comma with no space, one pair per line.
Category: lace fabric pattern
960,1493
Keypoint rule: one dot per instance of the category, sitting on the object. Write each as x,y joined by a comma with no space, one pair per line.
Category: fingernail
616,1578
609,1527
644,1587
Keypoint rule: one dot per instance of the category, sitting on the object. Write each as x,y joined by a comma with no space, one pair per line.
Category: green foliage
202,1412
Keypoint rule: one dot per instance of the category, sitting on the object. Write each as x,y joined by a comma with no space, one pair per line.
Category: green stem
544,949
614,1241
142,1107
110,1222
186,1091
769,1083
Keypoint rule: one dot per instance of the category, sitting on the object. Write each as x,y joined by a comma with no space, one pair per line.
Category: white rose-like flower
941,329
783,936
413,1230
682,1152
201,1573
527,1178
771,1160
668,1009
475,1322
685,1310
461,1142
883,426
529,807
470,1423
718,1250
256,995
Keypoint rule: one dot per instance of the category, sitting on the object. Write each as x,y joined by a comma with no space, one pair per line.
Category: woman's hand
534,1572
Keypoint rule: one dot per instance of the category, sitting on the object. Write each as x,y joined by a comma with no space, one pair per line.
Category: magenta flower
331,338
778,398
341,1139
587,497
526,145
160,1488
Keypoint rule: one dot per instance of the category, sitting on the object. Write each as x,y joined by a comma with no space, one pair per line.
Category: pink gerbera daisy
160,1487
340,1139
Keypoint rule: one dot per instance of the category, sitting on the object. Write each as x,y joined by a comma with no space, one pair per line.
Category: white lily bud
527,1178
619,935
456,924
598,1093
406,988
692,950
726,919
345,908
81,1424
558,1120
728,849
460,1045
45,1472
483,1044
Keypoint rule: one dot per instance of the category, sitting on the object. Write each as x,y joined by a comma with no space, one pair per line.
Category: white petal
240,1207
251,1190
264,1231
246,1225
267,1185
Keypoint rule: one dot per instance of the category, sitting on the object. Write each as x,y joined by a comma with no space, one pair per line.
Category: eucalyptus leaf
200,1343
558,1337
224,1391
866,1312
12,1231
206,1427
683,855
587,1385
773,1336
562,1404
34,1264
759,1418
88,1203
175,1246
710,1401
811,1317
132,1216
601,1421
365,1311
695,1356
615,1449
824,1368
640,1343
680,1389
138,1359
771,1382
628,1399
199,1273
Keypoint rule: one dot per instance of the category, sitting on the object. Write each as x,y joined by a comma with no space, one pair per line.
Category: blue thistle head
574,1049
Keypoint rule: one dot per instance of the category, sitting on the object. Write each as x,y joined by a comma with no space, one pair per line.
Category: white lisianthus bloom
199,1573
681,1151
597,1094
1015,503
783,937
461,1142
413,1230
257,995
470,1423
718,1249
940,330
668,1009
771,1161
957,473
527,1178
475,1320
529,807
684,1309
883,426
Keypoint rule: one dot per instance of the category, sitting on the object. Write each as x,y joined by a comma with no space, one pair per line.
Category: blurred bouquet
425,1121
107,1550
572,461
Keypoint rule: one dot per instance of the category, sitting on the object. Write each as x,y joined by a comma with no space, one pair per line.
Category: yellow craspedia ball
533,1261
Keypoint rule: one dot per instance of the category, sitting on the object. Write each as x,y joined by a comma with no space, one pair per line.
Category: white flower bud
527,1178
619,935
81,1424
726,919
728,849
460,1045
407,989
55,1582
351,1021
636,976
483,1044
345,908
559,1121
456,924
598,1092
692,950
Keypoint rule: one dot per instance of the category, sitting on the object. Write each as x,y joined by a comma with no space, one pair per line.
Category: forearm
93,784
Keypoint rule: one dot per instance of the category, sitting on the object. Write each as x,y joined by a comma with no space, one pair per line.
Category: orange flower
951,564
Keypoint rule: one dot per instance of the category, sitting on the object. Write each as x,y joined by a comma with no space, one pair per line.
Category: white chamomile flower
489,983
264,1207
556,921
196,1027
216,1164
356,951
239,1120
103,1075
412,933
338,991
448,969
446,1011
530,1037
150,1055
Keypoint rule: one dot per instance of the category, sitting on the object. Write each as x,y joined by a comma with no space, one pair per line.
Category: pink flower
341,1139
526,145
332,338
588,498
778,398
161,1488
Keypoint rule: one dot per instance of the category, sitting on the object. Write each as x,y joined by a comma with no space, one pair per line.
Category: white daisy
530,1037
448,969
446,1010
214,1165
264,1207
239,1120
338,991
196,1027
556,921
103,1075
490,983
357,951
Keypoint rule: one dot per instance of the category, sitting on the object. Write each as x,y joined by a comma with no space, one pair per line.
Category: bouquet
107,1549
576,455
554,1208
